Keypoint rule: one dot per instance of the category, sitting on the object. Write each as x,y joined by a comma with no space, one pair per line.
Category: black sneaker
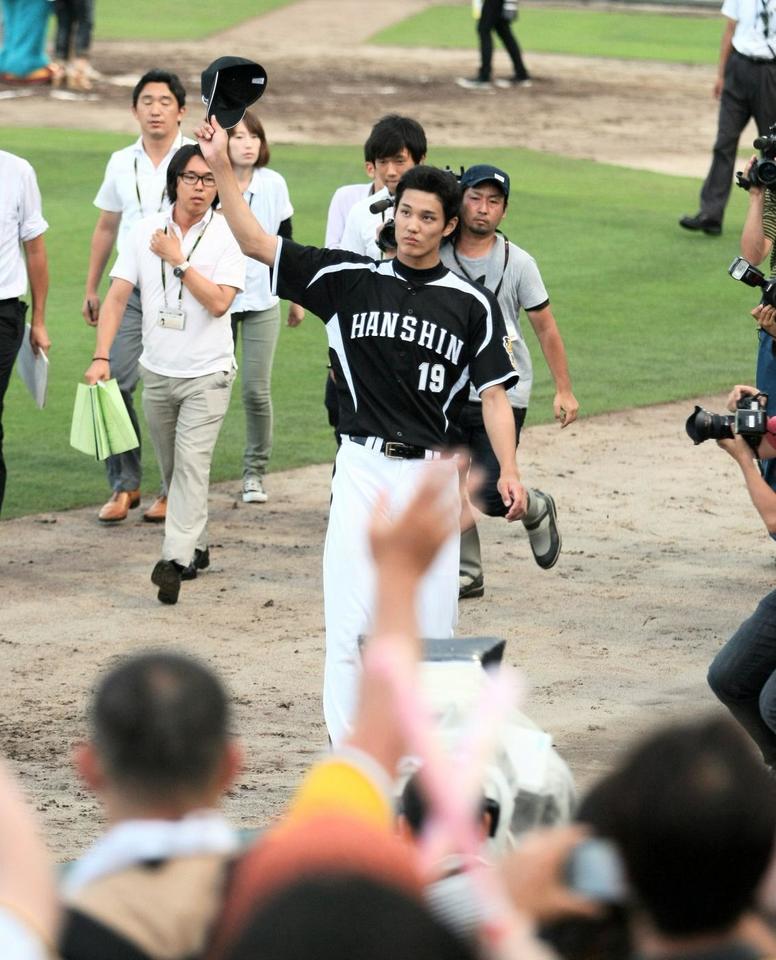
201,561
701,222
474,83
167,576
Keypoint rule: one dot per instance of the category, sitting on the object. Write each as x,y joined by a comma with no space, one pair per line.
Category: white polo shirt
205,344
341,203
267,196
21,220
131,174
750,37
361,226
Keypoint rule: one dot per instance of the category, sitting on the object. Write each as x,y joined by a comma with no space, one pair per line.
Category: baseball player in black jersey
406,336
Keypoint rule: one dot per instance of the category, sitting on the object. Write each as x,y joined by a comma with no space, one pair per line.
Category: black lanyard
186,256
139,199
503,272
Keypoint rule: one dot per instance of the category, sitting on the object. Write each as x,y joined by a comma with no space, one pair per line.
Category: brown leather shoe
157,512
119,506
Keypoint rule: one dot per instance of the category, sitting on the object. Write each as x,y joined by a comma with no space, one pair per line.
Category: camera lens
766,173
702,425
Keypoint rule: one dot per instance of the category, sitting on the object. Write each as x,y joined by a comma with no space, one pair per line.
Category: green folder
101,424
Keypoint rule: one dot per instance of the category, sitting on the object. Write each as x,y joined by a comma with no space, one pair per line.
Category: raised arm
254,240
403,550
26,877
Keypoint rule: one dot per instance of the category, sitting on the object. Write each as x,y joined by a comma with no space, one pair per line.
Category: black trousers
11,332
749,90
74,27
491,19
469,431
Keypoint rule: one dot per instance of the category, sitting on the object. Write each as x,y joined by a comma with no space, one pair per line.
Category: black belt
755,59
9,300
394,450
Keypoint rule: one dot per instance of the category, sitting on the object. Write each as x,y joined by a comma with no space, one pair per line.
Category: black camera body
742,270
750,421
763,171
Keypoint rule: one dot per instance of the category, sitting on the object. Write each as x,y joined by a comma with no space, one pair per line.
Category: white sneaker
507,83
253,490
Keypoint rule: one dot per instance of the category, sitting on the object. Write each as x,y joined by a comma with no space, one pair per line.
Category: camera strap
503,271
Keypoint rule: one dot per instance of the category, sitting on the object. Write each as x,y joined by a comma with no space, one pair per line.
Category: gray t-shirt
521,286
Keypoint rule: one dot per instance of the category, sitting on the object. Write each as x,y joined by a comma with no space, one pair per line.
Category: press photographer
756,245
743,674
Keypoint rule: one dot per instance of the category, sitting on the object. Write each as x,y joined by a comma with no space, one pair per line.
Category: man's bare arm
103,241
545,326
37,271
107,328
725,49
500,426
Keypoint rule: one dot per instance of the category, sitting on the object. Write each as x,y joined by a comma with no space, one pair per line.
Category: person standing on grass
496,16
134,187
188,268
22,256
23,59
257,310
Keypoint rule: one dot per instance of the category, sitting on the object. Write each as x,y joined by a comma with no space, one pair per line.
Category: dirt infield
663,555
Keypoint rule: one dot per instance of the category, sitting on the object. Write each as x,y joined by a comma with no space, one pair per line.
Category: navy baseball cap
483,173
229,86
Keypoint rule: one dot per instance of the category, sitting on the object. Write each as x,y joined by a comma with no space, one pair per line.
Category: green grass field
647,311
166,20
630,35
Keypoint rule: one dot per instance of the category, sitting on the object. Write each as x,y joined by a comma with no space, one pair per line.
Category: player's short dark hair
436,181
255,126
391,134
177,165
693,812
333,917
161,76
160,724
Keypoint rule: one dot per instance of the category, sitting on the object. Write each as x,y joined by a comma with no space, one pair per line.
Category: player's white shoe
253,490
541,522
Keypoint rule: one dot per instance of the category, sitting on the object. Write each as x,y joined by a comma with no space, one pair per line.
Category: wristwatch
181,269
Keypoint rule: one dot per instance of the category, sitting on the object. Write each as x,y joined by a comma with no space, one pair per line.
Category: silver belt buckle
390,447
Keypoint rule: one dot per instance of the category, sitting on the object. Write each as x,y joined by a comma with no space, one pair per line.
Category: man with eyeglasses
188,269
133,188
746,89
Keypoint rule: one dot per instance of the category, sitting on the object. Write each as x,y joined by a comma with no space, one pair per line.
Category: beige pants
184,418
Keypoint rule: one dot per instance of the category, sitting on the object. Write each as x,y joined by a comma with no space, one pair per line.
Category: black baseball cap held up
229,86
485,173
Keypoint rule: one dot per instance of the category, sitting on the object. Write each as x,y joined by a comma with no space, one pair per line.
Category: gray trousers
260,331
124,470
184,419
749,91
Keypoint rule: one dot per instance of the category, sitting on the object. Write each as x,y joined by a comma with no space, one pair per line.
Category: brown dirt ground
663,555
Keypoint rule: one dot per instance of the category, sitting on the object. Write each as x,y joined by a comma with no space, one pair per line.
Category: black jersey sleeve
315,277
492,359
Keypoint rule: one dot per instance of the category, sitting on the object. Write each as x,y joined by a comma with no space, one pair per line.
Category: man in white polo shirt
188,268
21,239
133,188
746,88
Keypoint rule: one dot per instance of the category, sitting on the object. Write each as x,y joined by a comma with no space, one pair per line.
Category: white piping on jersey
460,383
372,267
334,335
459,283
274,272
494,383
